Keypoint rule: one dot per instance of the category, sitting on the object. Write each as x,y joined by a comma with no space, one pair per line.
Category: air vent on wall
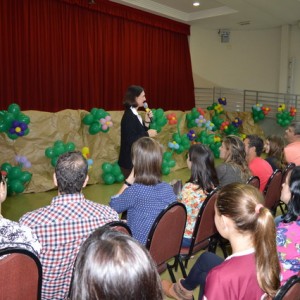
243,23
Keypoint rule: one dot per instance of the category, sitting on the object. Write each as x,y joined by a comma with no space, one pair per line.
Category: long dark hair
111,266
242,203
294,204
146,156
131,94
203,172
276,149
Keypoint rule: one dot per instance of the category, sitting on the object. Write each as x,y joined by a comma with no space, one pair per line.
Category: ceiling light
196,3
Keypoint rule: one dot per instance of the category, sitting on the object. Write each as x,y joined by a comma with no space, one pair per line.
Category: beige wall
251,60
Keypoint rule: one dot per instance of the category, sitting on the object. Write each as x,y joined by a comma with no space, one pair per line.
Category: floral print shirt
12,234
192,197
288,248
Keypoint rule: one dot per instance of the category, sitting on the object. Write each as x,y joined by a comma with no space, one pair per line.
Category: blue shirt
143,204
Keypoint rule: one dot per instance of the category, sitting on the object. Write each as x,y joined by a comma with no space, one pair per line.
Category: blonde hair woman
253,268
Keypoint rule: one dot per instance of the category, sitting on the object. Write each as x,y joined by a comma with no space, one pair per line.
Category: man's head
292,134
71,173
253,146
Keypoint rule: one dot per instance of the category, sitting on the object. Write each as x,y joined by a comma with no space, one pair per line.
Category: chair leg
171,273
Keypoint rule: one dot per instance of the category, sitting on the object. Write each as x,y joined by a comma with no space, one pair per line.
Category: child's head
202,165
243,205
290,194
147,161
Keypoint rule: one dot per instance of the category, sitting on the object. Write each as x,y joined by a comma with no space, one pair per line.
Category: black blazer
131,130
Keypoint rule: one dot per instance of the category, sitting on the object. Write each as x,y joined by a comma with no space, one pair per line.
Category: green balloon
120,177
167,155
49,152
58,150
12,136
25,177
16,186
115,170
106,167
58,143
100,114
6,167
23,118
3,126
88,119
165,163
14,109
108,178
166,171
94,128
8,119
69,147
14,173
171,163
54,161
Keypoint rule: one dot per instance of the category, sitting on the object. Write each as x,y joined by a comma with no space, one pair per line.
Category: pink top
234,279
261,168
292,153
288,248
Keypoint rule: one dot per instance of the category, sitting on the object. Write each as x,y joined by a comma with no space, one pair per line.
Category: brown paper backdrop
46,128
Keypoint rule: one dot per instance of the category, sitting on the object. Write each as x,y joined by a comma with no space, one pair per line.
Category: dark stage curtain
68,54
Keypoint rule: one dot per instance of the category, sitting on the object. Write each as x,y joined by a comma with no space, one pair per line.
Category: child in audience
203,180
12,234
143,194
235,167
274,149
113,266
288,230
253,268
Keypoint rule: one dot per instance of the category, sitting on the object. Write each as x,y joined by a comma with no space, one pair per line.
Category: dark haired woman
203,180
112,266
288,230
143,195
132,125
235,167
274,149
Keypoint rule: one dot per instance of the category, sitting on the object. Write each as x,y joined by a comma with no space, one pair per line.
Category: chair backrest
119,226
165,237
254,180
273,190
20,275
287,170
205,227
290,290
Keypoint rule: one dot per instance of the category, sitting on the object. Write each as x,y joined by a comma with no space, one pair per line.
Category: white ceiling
229,14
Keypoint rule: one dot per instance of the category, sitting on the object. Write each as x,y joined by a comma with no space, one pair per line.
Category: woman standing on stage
133,126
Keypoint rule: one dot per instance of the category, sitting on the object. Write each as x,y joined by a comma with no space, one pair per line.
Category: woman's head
243,205
134,96
147,160
290,194
203,172
3,187
233,149
274,147
112,265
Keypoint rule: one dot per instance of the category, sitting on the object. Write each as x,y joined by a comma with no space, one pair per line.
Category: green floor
15,206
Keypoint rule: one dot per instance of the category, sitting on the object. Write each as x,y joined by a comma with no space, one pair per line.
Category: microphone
147,109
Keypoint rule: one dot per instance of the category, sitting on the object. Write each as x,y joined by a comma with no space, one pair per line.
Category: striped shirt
61,228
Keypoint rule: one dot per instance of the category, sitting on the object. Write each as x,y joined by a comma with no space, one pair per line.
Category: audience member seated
62,226
288,230
253,268
291,151
258,166
12,234
274,149
143,194
235,167
203,180
114,266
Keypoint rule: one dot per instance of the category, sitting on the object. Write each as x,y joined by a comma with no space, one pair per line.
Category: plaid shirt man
61,228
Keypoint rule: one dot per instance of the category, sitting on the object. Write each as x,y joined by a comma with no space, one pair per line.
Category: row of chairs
273,187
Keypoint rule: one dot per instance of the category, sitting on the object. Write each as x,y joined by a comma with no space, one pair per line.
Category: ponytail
242,203
267,264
